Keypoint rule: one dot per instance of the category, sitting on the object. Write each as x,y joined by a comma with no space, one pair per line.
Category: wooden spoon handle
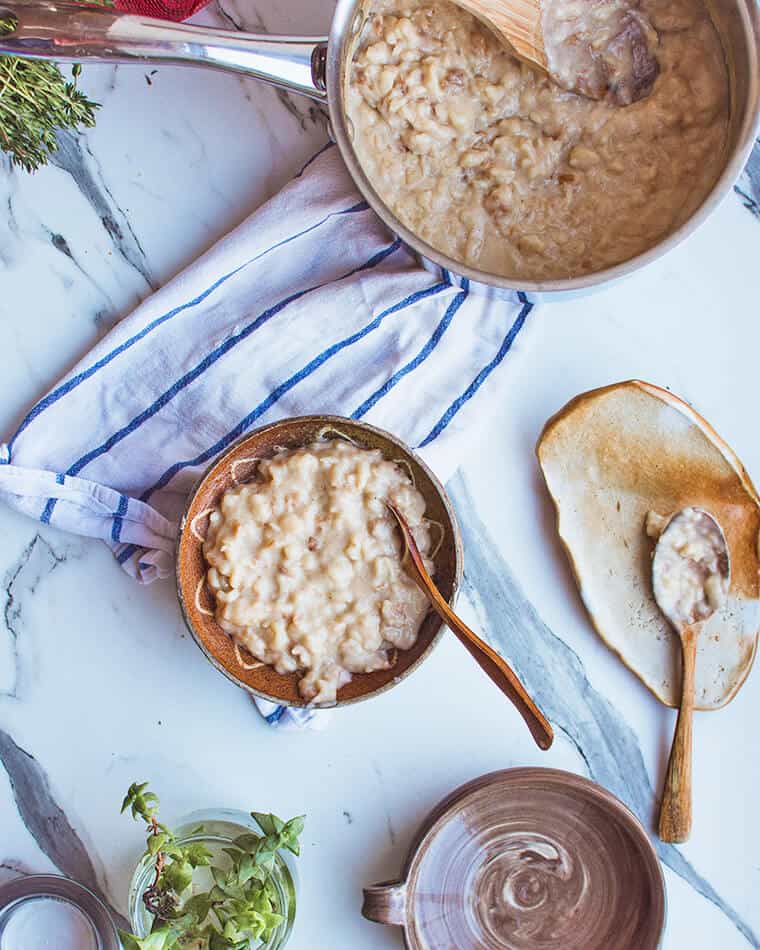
675,808
489,660
518,21
502,675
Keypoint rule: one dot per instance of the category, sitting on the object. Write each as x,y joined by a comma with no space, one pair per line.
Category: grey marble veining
304,111
10,869
45,819
748,187
37,560
554,675
75,157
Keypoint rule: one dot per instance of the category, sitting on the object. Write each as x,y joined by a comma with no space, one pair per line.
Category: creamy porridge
691,569
497,166
305,564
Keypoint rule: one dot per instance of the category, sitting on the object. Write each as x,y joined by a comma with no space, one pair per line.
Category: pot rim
343,23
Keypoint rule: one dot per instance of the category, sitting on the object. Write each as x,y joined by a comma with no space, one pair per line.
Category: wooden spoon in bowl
691,570
490,661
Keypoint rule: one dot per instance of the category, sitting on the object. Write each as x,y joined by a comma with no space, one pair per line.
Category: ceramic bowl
238,464
527,859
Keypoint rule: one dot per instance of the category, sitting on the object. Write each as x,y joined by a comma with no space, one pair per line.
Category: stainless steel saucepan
317,67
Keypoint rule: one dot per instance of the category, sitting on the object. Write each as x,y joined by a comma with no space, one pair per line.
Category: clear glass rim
20,890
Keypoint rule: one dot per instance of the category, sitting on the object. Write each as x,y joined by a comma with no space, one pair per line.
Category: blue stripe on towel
127,553
284,387
315,156
423,354
77,380
47,511
275,716
118,518
201,368
484,373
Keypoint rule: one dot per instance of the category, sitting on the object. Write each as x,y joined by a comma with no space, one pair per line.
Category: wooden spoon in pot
490,661
608,52
516,21
691,571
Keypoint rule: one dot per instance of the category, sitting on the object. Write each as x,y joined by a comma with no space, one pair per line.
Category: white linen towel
310,305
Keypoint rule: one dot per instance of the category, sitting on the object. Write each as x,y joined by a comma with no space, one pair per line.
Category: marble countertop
101,685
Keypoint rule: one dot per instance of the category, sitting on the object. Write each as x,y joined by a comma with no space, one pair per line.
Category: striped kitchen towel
311,305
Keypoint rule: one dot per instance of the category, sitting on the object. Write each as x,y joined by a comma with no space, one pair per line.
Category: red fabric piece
163,9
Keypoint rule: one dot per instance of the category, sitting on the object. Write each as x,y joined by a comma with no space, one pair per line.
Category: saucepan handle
385,903
70,32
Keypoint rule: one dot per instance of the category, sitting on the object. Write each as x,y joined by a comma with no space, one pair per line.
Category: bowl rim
561,779
323,420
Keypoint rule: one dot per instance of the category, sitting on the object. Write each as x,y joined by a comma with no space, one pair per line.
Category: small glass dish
220,827
47,910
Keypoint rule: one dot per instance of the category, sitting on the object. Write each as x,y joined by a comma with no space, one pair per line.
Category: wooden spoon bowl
237,465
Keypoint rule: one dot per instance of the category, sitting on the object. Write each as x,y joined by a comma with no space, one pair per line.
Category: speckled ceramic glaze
238,465
527,859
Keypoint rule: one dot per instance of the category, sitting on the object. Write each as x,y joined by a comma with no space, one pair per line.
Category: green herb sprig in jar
239,910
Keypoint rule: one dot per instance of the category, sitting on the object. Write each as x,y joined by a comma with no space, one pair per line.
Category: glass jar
46,910
220,827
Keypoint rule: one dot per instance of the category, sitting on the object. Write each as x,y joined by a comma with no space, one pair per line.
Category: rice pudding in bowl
500,169
305,567
288,565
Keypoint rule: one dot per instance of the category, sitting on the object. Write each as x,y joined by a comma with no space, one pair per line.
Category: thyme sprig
241,908
35,101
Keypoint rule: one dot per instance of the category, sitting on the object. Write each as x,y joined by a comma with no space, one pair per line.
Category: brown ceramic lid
527,859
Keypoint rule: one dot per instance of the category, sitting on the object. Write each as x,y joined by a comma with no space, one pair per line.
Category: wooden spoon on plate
490,661
676,561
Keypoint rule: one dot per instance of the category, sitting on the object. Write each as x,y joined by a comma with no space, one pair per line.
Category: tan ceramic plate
610,456
238,463
527,859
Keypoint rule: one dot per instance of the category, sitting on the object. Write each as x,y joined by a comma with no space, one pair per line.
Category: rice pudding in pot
305,564
500,168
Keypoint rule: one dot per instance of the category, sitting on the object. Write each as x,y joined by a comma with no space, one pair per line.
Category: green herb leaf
198,855
162,939
235,855
247,842
265,822
178,876
291,832
36,101
156,843
133,791
142,804
198,907
247,869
